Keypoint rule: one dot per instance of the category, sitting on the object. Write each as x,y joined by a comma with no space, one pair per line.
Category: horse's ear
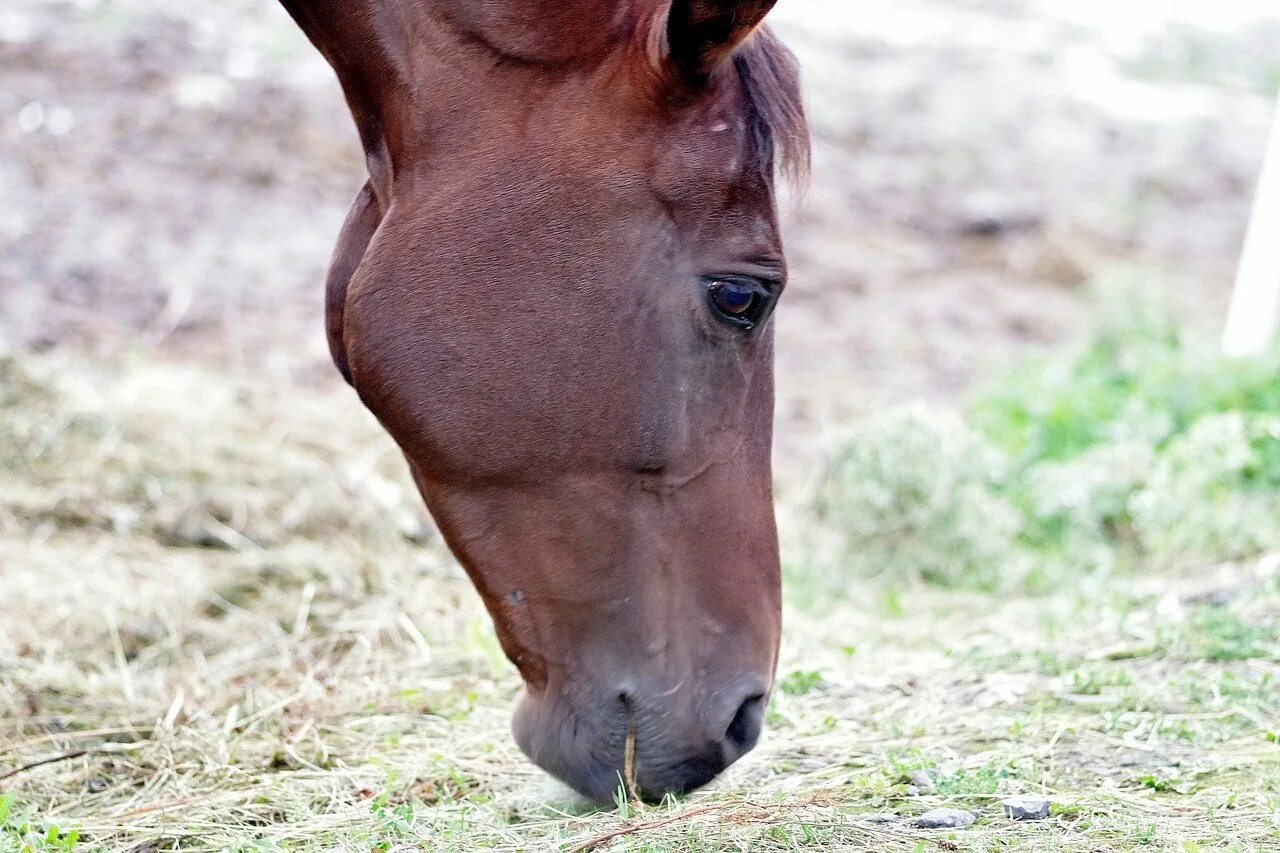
702,34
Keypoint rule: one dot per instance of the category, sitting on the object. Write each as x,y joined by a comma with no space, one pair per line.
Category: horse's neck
359,39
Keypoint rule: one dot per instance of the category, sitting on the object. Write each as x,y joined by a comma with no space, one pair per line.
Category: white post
1254,315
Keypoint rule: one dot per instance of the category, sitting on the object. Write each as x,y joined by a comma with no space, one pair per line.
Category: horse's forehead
714,144
704,154
695,153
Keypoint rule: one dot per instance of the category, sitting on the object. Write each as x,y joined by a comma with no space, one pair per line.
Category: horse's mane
771,81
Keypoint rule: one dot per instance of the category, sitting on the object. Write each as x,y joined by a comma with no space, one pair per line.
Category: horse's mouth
631,753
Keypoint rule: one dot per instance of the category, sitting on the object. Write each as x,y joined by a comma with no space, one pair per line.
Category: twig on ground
605,838
143,731
66,756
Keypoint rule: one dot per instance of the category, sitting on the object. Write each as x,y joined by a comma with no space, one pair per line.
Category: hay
219,632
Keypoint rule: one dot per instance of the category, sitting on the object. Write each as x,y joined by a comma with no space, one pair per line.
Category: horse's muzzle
648,743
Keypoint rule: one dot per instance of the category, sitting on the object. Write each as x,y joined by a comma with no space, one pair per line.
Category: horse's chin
572,748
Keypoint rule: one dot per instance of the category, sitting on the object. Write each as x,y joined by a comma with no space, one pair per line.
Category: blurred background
174,178
998,388
981,164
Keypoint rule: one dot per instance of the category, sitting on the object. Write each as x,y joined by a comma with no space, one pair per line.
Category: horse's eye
741,302
733,298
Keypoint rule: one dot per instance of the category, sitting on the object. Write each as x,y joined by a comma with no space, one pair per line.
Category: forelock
771,83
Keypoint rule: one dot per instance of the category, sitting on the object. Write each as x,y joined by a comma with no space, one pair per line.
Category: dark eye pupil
732,298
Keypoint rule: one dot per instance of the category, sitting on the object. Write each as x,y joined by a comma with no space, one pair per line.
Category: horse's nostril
744,728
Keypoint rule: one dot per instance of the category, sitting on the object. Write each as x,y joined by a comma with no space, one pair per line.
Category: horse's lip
587,754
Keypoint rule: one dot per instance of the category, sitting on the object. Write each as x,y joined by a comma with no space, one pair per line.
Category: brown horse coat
553,292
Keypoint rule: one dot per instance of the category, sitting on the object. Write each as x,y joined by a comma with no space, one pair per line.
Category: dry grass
223,627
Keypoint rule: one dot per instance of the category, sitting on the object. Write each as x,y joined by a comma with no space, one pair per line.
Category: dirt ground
221,629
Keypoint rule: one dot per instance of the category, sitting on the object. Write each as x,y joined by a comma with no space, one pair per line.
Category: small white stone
945,819
1026,807
17,28
31,117
60,121
196,91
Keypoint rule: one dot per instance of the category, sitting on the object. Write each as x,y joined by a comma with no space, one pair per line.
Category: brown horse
553,292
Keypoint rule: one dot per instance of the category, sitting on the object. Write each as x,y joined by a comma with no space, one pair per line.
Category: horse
554,293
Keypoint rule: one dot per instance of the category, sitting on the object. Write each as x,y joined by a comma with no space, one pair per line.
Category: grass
1141,449
224,626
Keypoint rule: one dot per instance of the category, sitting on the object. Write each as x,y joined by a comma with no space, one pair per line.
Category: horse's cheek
391,374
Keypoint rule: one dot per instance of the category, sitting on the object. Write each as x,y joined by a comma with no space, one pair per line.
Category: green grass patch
1143,446
800,682
1218,634
22,832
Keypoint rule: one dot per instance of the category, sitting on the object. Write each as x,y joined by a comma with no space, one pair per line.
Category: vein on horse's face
667,485
475,536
